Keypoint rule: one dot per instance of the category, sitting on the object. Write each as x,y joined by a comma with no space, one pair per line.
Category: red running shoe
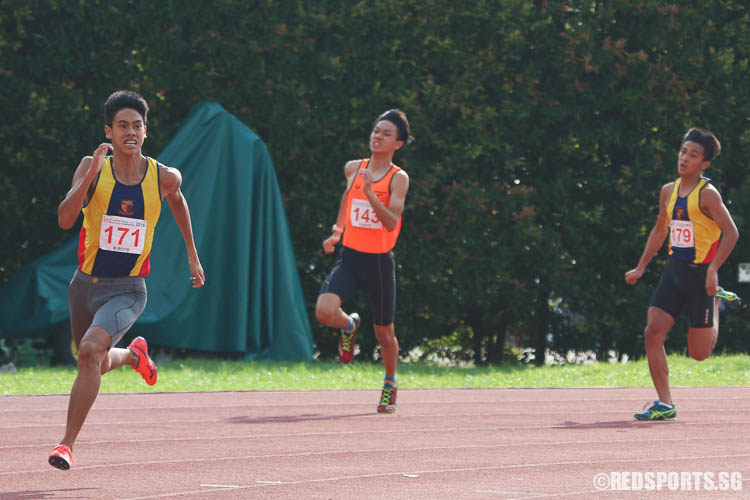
62,457
388,400
145,366
346,341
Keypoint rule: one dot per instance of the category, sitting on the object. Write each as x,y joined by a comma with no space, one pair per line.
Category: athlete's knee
90,356
322,314
385,335
700,350
653,335
325,313
699,355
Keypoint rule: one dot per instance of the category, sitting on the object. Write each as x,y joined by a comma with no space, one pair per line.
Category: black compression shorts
374,273
683,286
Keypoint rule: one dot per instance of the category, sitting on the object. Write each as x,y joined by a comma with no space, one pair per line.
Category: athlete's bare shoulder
401,174
669,186
170,179
666,190
710,197
351,167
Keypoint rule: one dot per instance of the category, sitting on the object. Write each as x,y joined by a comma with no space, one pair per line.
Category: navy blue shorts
683,286
373,273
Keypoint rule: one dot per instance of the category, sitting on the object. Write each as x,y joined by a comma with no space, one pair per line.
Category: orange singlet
364,231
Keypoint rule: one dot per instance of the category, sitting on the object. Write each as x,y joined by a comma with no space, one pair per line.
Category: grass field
217,375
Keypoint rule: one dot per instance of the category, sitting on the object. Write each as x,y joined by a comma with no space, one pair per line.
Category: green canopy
252,302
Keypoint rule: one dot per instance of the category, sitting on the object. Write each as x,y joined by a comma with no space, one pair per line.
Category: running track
449,443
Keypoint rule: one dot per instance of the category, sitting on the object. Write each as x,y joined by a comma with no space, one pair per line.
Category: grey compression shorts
109,303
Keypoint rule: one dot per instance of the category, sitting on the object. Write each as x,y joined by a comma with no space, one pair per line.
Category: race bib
122,234
681,233
363,215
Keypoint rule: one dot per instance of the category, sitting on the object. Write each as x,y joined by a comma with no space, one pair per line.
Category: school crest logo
680,213
126,207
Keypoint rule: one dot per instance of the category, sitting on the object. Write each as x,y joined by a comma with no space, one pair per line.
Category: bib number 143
122,234
363,215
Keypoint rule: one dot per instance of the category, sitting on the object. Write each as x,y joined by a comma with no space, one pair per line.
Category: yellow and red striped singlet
118,224
364,231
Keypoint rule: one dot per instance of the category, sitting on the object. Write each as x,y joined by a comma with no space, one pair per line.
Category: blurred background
544,132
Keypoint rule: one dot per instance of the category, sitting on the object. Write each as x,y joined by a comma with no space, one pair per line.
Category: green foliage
544,131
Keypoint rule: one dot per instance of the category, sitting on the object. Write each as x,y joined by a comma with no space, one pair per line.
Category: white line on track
452,430
268,404
453,471
245,419
347,451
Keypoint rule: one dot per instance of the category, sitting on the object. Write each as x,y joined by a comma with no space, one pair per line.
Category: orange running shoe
62,457
388,400
145,366
347,341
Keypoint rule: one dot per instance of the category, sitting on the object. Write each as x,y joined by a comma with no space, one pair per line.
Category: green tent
252,302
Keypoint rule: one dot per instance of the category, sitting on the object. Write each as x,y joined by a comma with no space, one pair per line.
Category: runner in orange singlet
370,219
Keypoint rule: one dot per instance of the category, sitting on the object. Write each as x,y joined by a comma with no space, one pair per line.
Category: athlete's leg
329,313
702,341
339,285
117,357
386,336
91,354
658,325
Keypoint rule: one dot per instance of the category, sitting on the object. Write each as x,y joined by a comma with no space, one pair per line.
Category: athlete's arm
170,181
80,189
655,239
329,243
399,187
712,204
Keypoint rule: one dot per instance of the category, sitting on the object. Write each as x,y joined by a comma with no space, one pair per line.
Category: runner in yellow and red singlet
120,197
701,234
370,220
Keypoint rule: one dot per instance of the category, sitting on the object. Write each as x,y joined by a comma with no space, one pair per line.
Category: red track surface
451,443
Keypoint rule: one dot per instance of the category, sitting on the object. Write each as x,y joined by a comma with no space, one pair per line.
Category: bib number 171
122,234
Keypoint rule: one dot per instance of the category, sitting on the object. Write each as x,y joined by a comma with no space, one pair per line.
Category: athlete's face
384,138
127,132
690,159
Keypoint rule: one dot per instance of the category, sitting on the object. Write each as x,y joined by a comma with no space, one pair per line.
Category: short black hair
707,139
124,99
398,118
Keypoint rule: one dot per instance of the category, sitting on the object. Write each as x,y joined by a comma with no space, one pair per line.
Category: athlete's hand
330,243
367,178
632,276
712,282
197,276
98,158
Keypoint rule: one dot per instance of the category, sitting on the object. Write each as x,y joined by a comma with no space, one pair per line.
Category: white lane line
423,430
330,453
453,471
401,416
348,403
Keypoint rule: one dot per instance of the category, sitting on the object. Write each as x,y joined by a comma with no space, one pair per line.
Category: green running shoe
658,411
729,300
388,400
